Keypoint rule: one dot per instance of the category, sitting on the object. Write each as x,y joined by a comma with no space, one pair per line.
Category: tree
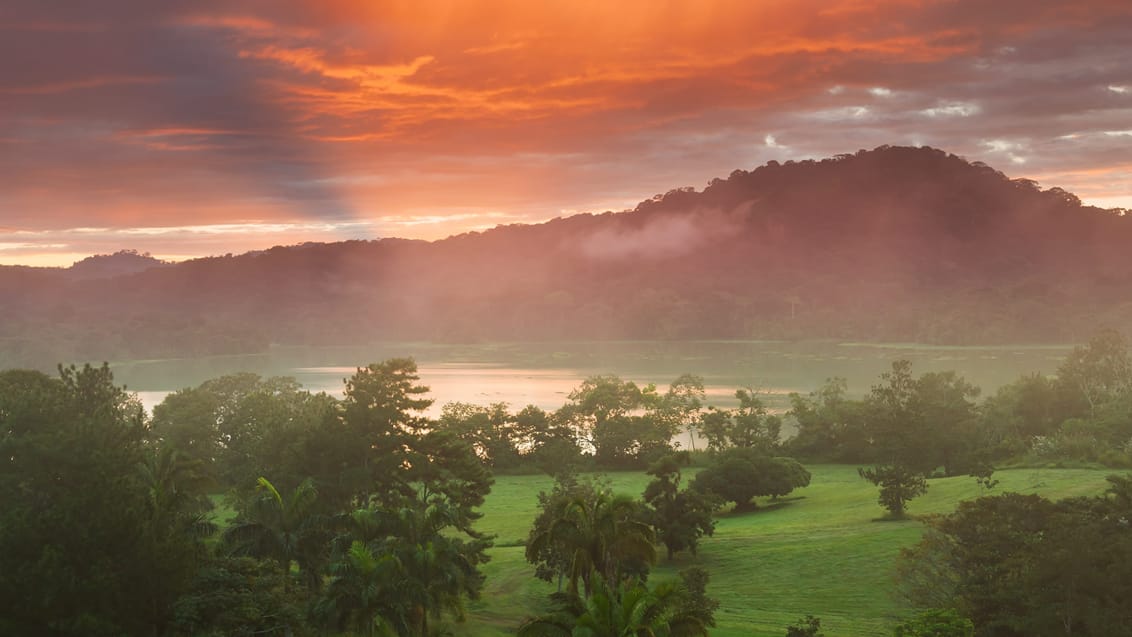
288,530
1022,565
242,426
945,423
445,470
749,425
381,414
1032,406
238,596
553,447
741,474
924,573
898,486
1099,371
78,533
585,531
808,626
679,517
492,431
600,412
174,527
627,608
916,426
402,568
362,586
682,405
829,426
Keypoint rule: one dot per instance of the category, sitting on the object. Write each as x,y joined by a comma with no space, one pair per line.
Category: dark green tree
285,529
585,531
553,446
917,426
749,425
808,626
444,470
492,431
81,538
679,517
602,413
401,570
239,596
829,425
1022,565
382,414
628,608
898,486
741,474
1032,406
242,426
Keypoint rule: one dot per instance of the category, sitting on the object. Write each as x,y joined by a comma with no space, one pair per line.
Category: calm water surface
543,374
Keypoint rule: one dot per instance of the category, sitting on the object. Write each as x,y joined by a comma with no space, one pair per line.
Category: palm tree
417,570
174,489
362,588
173,528
629,609
287,530
597,534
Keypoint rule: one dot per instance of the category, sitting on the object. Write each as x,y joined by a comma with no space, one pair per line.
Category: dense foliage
103,530
1020,565
91,542
359,514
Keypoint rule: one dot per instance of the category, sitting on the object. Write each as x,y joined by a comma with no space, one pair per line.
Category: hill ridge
891,244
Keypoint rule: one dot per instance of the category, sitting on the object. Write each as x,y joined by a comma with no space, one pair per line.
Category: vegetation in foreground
820,551
362,516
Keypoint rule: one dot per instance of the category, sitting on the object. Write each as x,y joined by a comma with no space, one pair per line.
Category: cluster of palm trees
374,571
599,544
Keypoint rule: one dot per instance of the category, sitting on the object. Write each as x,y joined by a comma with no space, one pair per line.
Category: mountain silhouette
891,244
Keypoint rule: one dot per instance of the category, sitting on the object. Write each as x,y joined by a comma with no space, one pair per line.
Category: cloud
137,113
663,236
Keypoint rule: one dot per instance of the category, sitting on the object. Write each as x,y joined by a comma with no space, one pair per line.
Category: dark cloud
140,114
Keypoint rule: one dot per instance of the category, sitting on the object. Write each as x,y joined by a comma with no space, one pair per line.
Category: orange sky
188,128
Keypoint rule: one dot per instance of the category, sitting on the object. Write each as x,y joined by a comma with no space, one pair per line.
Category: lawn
820,551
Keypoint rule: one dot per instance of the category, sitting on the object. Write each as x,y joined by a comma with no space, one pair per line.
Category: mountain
892,244
106,266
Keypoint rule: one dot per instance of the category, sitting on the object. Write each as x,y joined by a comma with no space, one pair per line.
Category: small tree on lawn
897,485
741,474
679,517
808,626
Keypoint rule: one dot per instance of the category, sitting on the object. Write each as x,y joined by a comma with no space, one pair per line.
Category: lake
543,374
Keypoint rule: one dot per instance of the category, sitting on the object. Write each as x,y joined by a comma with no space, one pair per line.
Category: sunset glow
199,128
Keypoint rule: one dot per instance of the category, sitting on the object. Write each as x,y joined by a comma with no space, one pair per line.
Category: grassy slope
819,552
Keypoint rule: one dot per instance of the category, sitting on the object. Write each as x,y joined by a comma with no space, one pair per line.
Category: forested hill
893,244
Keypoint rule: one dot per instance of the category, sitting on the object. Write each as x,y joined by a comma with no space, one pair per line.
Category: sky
194,128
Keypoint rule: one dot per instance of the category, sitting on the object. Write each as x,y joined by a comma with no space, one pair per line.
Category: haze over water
544,374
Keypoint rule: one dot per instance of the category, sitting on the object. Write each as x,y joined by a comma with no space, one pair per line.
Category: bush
741,474
936,623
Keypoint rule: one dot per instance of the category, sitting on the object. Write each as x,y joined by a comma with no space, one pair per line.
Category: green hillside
820,551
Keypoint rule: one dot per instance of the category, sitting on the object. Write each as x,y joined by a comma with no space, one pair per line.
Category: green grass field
820,551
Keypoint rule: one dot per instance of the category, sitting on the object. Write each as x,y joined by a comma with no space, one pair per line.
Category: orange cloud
351,110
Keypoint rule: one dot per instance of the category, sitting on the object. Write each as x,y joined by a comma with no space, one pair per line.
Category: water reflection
544,374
